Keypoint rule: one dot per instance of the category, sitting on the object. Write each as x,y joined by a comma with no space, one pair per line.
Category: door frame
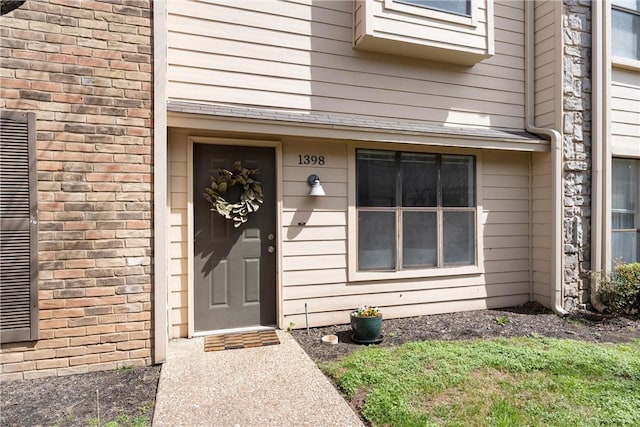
277,146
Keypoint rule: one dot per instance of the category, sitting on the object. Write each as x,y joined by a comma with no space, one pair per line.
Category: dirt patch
357,402
126,396
527,320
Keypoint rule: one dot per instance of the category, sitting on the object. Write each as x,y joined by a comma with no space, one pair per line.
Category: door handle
271,249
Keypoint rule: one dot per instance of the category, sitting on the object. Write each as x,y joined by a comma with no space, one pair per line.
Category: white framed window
456,12
625,210
455,31
459,7
625,29
415,211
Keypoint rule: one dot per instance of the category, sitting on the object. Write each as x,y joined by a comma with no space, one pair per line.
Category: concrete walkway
276,385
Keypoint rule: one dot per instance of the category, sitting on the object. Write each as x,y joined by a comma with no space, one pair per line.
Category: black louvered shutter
18,228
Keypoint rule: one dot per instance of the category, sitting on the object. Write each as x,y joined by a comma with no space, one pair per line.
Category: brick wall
85,68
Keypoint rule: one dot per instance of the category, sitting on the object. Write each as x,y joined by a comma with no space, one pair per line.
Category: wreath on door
250,199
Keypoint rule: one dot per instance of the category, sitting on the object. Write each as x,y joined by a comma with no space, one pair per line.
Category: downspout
598,53
530,248
555,137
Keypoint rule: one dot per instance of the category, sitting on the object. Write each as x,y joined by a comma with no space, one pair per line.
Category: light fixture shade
316,187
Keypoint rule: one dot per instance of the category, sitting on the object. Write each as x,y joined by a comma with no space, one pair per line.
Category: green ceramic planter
366,330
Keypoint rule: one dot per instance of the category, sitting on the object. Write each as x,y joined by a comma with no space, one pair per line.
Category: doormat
240,340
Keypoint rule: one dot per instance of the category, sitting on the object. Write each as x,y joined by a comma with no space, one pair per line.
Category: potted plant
366,324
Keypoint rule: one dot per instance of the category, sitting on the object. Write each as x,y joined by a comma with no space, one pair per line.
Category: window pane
458,237
625,193
629,4
419,179
419,239
625,247
625,215
455,6
622,220
376,178
376,240
625,34
457,177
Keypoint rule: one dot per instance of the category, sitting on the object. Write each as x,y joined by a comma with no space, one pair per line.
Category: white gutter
160,235
557,190
598,138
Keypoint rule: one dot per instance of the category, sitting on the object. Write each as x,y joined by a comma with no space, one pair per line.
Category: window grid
457,7
439,210
625,28
625,211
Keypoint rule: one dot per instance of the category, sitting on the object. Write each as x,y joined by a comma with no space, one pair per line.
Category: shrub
621,290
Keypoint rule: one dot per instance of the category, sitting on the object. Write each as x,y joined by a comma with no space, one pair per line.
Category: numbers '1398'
308,159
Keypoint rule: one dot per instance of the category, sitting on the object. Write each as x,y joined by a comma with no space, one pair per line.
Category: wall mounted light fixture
316,187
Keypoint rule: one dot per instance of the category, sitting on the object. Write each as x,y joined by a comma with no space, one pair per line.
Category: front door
234,268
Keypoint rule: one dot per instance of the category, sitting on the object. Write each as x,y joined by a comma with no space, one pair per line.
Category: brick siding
85,68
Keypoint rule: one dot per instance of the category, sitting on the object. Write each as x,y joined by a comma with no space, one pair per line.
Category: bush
621,290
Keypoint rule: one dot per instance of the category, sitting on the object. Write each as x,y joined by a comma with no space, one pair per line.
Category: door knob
271,249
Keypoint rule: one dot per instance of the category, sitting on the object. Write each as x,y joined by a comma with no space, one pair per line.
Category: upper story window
461,7
451,31
625,28
415,210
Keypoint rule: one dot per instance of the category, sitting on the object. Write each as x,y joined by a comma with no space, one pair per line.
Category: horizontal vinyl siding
314,243
314,232
434,307
625,112
400,25
541,227
178,223
315,261
505,195
298,56
545,75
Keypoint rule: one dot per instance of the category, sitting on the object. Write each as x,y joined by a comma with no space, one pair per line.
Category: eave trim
345,127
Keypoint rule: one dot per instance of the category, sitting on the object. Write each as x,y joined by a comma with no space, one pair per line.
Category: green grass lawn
501,382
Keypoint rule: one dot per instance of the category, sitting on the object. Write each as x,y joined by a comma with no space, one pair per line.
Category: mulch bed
527,320
71,401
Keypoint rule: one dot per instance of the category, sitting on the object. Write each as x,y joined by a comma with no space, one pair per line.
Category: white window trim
396,28
625,63
352,237
471,21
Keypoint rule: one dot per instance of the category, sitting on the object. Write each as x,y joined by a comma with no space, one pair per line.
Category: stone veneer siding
577,151
84,67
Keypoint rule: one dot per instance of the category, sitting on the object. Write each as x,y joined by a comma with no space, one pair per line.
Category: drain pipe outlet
556,163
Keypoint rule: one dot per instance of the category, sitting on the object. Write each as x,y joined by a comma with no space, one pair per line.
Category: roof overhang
218,118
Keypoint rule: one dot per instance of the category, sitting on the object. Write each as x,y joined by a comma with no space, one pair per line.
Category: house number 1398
307,159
